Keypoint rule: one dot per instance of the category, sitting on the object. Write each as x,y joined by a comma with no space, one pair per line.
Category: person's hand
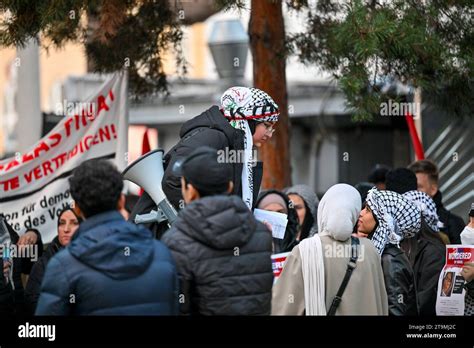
268,225
6,267
29,238
361,235
468,271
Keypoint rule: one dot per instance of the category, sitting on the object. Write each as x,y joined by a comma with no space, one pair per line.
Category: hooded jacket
311,201
223,258
111,267
210,128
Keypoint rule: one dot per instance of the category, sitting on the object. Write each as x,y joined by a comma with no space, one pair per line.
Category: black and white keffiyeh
398,218
427,206
240,104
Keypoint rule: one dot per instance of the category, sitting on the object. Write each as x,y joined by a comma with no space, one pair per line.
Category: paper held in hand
451,292
276,220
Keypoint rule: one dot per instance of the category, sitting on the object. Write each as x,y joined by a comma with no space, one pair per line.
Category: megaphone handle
153,216
168,211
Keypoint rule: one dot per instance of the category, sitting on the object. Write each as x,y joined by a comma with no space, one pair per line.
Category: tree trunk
267,38
92,28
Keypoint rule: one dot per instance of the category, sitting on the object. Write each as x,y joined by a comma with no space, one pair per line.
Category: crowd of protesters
215,259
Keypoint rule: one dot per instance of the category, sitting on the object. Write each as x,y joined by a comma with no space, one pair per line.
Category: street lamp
228,43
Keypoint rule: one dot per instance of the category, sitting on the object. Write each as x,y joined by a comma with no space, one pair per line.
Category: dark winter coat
469,298
426,252
27,264
399,282
8,296
453,225
33,286
223,258
210,128
111,267
12,301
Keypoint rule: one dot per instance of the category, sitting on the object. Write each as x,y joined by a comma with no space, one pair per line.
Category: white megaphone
147,172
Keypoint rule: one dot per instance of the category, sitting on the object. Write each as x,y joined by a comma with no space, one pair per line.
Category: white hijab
338,212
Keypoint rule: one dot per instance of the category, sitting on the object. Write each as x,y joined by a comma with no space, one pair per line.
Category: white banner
34,185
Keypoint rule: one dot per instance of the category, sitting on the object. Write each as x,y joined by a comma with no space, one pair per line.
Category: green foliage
227,5
427,44
363,43
116,34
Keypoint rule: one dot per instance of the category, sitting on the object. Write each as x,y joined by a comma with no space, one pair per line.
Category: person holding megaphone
245,118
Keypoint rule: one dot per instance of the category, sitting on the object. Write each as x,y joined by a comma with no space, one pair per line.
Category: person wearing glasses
245,119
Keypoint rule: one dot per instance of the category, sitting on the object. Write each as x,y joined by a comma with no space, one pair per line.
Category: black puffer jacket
223,258
210,128
33,287
399,282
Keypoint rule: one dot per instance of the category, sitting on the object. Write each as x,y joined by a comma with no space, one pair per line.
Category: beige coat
364,295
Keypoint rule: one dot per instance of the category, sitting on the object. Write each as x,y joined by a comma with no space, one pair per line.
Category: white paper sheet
277,221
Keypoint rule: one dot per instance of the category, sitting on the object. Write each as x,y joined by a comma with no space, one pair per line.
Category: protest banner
451,292
34,184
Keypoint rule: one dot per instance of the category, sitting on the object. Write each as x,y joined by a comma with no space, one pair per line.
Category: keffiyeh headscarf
398,218
427,206
240,104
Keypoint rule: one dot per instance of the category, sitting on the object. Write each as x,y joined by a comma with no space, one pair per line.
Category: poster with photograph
451,292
